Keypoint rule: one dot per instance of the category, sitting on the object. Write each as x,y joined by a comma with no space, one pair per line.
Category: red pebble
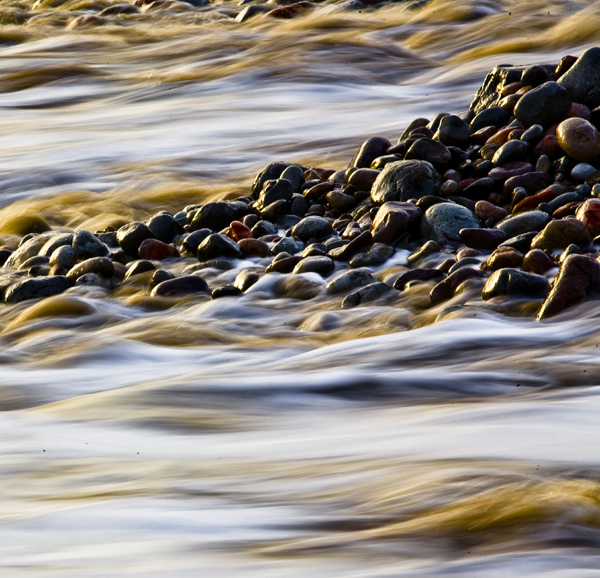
589,214
548,146
530,203
238,231
156,250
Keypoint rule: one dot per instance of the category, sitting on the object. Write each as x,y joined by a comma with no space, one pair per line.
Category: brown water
264,436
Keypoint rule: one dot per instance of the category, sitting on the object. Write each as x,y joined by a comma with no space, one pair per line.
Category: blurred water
267,436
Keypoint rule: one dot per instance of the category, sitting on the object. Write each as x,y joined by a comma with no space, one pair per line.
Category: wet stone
164,227
480,238
546,105
270,172
156,250
138,267
494,116
513,150
314,250
275,190
464,262
365,294
291,245
312,227
530,221
180,286
158,277
63,256
263,228
582,79
536,261
295,175
131,236
579,139
363,179
443,222
55,242
503,257
589,214
99,265
533,134
516,283
582,171
253,248
28,249
33,261
285,265
218,245
193,240
392,220
445,289
560,233
430,150
404,180
36,288
371,149
245,279
453,131
520,242
378,254
422,275
321,265
218,215
428,248
296,287
578,278
349,280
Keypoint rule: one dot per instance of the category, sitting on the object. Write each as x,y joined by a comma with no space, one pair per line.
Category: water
267,436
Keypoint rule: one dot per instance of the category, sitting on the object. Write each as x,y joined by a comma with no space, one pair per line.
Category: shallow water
268,436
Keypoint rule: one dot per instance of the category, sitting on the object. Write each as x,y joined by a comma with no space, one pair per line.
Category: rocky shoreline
502,198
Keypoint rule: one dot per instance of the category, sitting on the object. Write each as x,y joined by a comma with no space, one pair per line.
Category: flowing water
263,436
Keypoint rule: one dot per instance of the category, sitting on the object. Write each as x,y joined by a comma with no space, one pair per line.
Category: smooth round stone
589,214
378,254
225,291
465,262
246,278
318,264
180,286
159,276
263,228
536,261
337,199
533,134
453,131
371,149
363,179
579,138
275,190
547,105
33,261
193,240
55,242
443,221
486,210
480,238
156,250
404,180
392,219
314,250
218,245
534,75
430,150
423,275
582,171
513,150
138,267
253,248
578,277
270,172
102,266
480,189
164,227
290,245
509,170
529,221
217,215
296,287
493,116
582,80
298,205
426,249
131,236
4,255
503,257
349,280
63,256
445,289
36,288
515,282
365,294
295,175
28,249
312,227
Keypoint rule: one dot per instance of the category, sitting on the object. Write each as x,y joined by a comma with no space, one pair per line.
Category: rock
285,265
503,257
490,92
270,172
423,275
274,190
520,242
508,170
156,250
404,180
295,175
530,221
533,134
346,252
33,261
579,138
392,220
348,280
480,189
493,116
443,221
263,228
36,288
582,79
218,245
453,131
63,256
534,76
427,149
245,279
193,240
365,294
488,211
225,291
55,242
589,214
253,248
371,149
291,245
531,182
296,287
99,265
445,289
28,249
515,282
464,262
138,267
547,105
217,215
238,231
131,236
480,238
312,227
428,248
93,280
337,199
578,278
247,13
378,254
321,265
180,286
582,171
560,233
513,150
158,277
363,179
536,261
164,227
298,205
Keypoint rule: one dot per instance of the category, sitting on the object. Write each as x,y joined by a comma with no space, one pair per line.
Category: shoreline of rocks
506,195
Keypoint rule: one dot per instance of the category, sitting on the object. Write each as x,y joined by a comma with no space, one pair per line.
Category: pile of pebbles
506,194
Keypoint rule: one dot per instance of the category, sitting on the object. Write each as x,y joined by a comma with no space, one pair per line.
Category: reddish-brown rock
155,250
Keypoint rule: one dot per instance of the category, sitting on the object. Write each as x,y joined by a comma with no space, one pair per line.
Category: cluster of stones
505,194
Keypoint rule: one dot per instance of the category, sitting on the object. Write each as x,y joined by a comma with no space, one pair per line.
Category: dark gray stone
164,227
131,236
515,282
365,294
453,131
513,150
36,288
527,222
180,286
490,92
63,256
290,245
350,280
55,242
377,255
99,265
218,215
321,265
313,227
404,180
270,172
442,223
217,245
193,240
263,228
85,245
582,80
494,116
547,105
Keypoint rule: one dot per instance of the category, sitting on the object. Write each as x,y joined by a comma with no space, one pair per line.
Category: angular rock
578,278
582,79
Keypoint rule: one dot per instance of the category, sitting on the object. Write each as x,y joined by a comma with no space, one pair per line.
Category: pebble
365,294
589,214
346,252
318,264
180,286
376,255
312,227
371,149
513,150
55,242
156,250
537,261
217,245
217,215
348,280
404,180
560,233
63,256
479,238
164,227
579,138
515,282
582,79
131,236
445,289
422,275
290,245
99,265
503,257
36,288
526,222
547,104
443,221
